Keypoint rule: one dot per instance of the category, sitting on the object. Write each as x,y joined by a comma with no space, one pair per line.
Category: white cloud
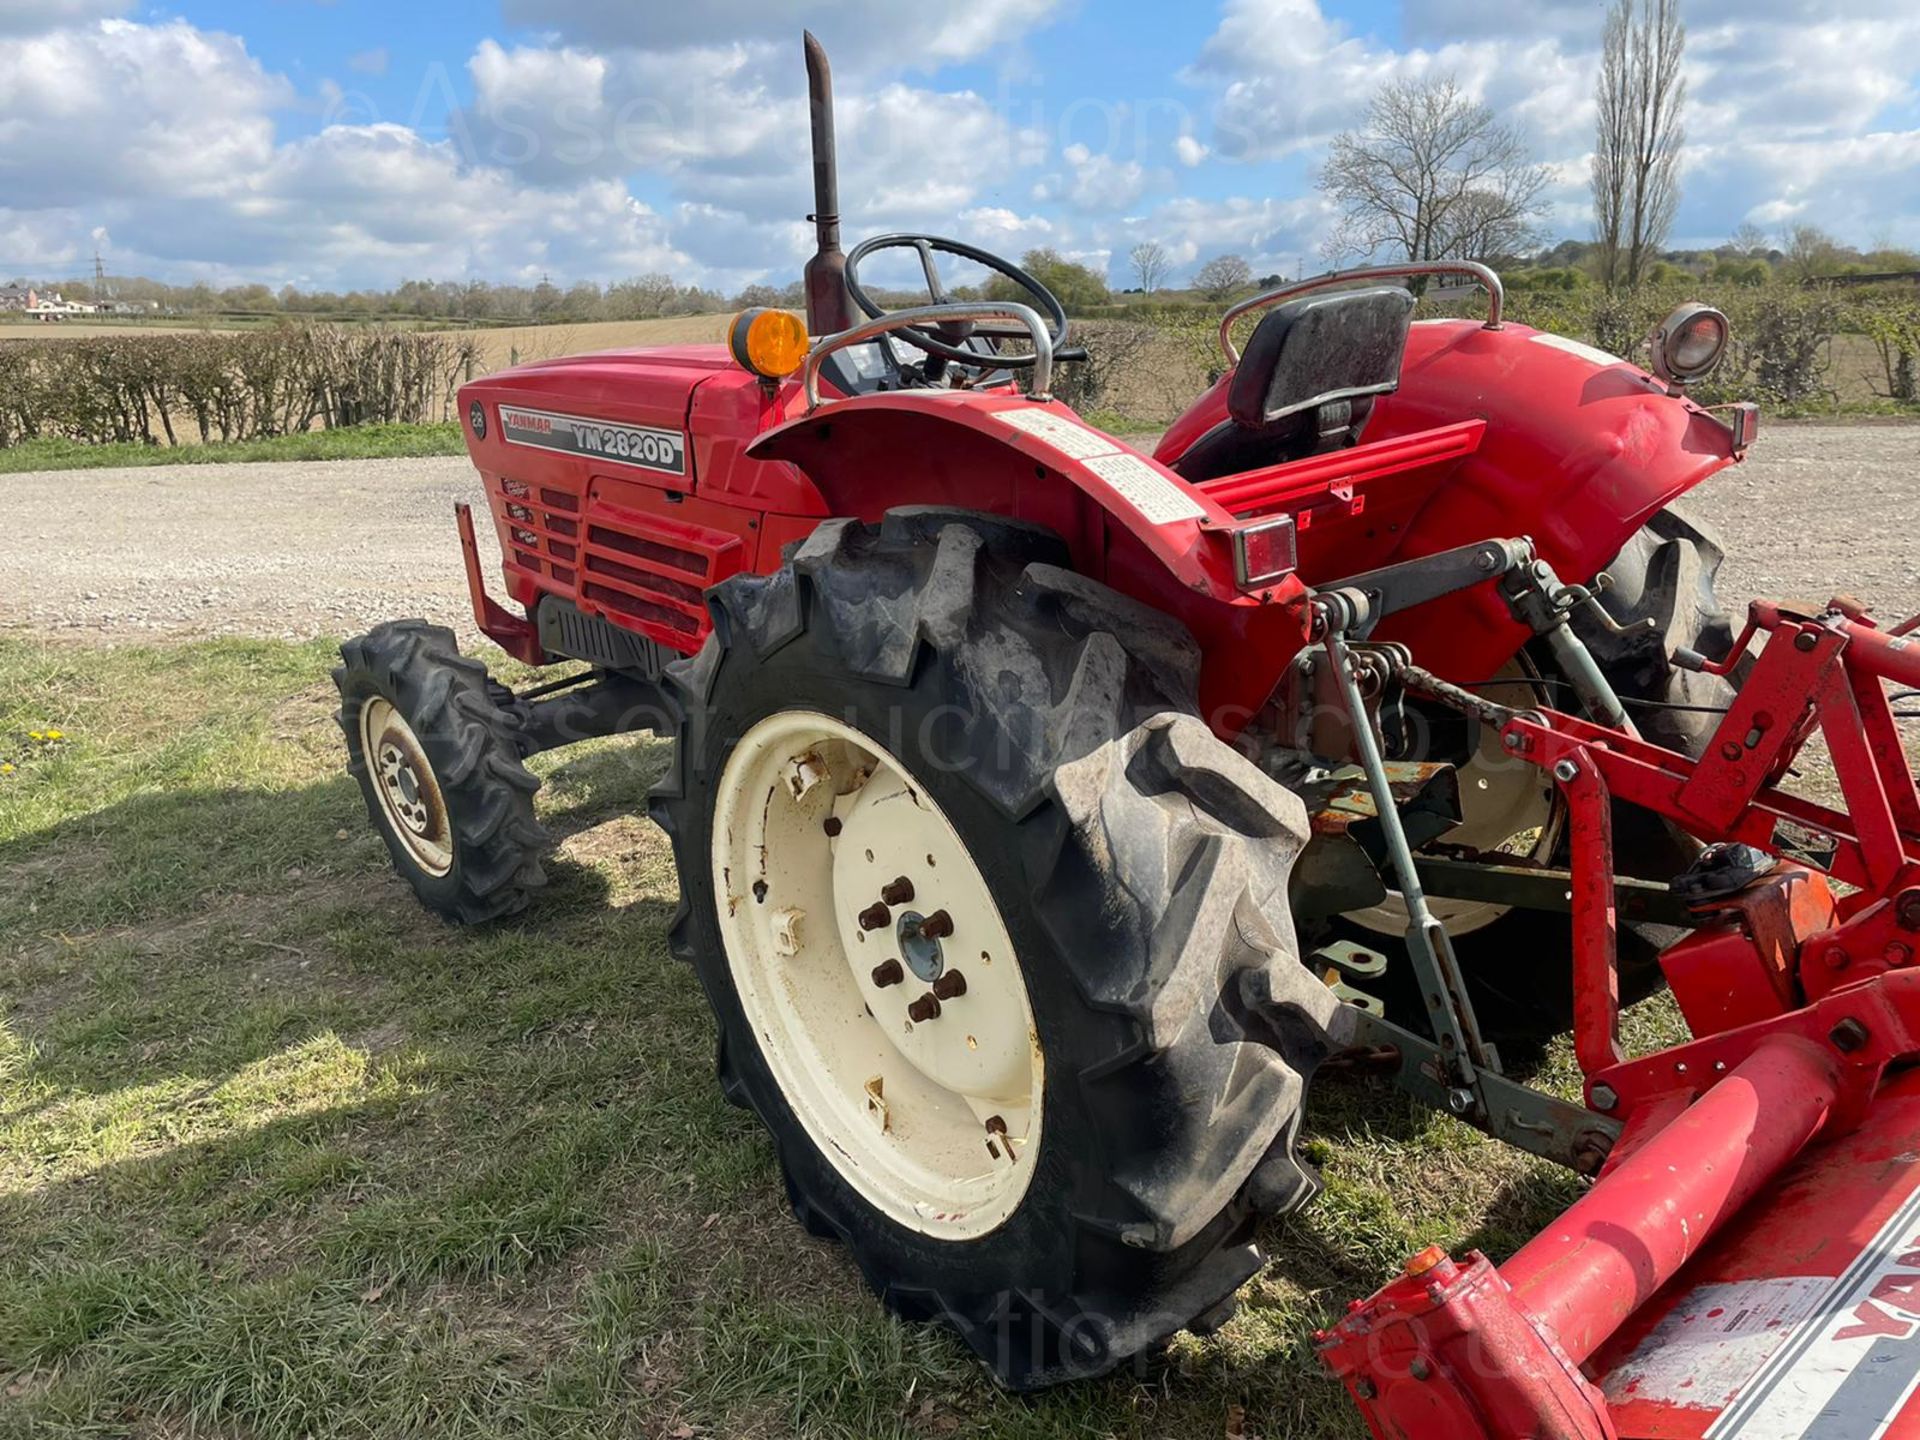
1096,183
37,17
728,127
1780,93
853,30
172,136
119,110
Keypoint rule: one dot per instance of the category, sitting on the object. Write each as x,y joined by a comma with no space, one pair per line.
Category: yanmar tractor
1047,812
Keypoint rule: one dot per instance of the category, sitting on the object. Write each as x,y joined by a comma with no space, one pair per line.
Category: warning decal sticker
1161,500
664,451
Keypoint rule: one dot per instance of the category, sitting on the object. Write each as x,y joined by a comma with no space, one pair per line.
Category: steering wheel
947,338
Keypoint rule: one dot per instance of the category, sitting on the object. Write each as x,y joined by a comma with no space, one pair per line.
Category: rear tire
437,765
1138,867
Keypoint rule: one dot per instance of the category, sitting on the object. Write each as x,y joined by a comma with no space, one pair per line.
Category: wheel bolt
950,986
887,974
926,1008
1907,909
900,892
875,917
832,826
937,926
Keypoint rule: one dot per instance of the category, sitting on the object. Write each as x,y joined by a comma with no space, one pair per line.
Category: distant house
17,297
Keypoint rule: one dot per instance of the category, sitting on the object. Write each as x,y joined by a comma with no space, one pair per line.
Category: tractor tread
488,790
1153,866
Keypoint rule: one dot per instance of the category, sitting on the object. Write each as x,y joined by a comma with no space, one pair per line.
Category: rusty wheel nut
950,986
888,973
926,1008
832,826
875,917
899,892
937,926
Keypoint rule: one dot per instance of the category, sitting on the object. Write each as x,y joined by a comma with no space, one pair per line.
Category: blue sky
334,143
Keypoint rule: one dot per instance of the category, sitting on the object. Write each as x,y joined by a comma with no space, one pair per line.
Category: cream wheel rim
1507,807
403,778
877,975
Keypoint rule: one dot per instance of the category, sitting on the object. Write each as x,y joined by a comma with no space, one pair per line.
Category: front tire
1113,875
437,765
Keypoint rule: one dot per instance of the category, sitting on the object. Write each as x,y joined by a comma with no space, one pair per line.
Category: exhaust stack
829,308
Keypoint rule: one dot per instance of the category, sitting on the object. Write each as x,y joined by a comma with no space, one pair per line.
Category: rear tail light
1264,553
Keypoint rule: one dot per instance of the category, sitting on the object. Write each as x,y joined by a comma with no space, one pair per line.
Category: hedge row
172,389
1781,352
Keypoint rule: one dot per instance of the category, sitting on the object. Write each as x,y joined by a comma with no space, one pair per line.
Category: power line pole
99,277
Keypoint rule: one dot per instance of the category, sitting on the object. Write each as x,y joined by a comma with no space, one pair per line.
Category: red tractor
1046,812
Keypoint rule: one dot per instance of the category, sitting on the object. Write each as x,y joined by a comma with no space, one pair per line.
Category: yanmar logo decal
664,451
1854,1362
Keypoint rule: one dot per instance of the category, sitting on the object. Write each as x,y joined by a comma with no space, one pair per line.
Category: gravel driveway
331,548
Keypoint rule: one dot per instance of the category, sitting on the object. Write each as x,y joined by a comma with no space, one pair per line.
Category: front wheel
443,780
973,897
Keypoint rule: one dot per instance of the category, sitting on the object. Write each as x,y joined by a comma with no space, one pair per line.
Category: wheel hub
877,974
404,782
920,950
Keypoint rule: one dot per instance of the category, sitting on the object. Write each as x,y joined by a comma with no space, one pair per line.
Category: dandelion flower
36,735
56,734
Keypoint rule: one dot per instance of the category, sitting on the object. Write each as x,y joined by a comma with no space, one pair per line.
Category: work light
1689,343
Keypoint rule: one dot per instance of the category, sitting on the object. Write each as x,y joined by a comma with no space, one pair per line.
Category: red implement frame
1585,1332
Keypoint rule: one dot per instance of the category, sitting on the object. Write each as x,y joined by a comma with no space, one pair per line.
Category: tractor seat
1306,381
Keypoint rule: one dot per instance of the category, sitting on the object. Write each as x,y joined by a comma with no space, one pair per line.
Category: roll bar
1496,293
934,315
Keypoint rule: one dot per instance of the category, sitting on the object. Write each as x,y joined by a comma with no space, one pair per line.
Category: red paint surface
1492,434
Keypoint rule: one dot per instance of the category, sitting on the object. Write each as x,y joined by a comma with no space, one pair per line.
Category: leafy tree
1079,287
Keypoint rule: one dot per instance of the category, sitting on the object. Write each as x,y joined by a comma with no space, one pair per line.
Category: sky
333,144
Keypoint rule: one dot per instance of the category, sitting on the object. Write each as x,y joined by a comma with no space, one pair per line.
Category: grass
357,442
281,1156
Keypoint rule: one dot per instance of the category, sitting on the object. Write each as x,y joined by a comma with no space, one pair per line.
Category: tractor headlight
1689,343
770,343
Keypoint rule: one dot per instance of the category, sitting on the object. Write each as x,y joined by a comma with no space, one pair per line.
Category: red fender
1128,521
1580,450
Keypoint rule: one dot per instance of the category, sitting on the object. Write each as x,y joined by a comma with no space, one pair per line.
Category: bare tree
1749,241
1151,263
1432,175
1809,252
1222,275
1641,94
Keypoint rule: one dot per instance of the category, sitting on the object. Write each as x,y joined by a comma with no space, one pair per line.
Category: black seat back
1306,381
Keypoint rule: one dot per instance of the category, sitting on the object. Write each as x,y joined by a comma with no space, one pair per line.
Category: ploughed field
281,1156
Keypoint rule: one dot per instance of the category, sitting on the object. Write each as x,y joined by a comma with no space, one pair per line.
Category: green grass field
359,442
281,1156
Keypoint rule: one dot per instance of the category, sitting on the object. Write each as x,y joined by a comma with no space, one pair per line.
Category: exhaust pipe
829,307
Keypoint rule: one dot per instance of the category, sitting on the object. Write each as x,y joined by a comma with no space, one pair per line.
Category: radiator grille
644,571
